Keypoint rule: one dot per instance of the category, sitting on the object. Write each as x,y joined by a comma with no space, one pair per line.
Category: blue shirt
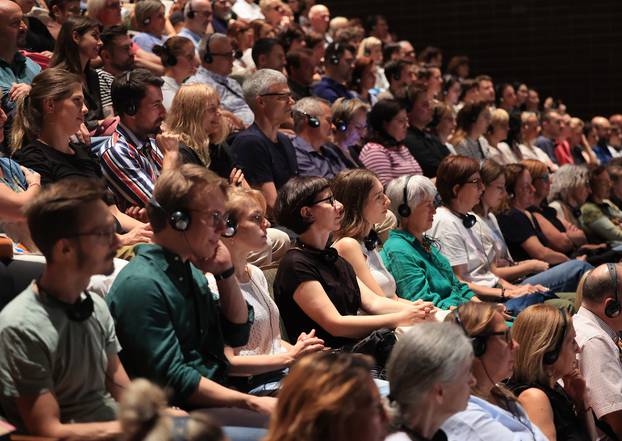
192,36
311,162
330,90
13,175
147,41
601,150
547,146
21,70
230,91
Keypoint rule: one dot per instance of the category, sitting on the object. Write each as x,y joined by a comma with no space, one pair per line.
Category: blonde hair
499,117
320,396
366,46
239,198
142,417
187,115
537,330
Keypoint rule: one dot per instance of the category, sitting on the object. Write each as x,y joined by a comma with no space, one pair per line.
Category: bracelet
502,292
225,274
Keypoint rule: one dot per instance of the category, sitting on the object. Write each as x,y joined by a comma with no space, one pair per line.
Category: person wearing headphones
598,324
163,296
216,54
399,78
150,20
338,64
198,14
180,62
350,121
547,353
314,129
493,412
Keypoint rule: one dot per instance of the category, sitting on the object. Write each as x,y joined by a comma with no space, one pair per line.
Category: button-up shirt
131,166
599,361
192,36
330,90
170,324
311,162
148,41
230,91
20,70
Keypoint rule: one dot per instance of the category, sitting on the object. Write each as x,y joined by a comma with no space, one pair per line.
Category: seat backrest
15,276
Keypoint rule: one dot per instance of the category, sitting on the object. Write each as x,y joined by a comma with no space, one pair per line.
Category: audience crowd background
293,226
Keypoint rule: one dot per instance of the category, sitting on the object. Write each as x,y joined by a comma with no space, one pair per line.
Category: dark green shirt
420,274
169,323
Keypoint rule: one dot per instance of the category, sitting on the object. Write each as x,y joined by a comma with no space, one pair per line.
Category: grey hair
566,179
306,107
209,39
428,354
94,7
419,189
259,83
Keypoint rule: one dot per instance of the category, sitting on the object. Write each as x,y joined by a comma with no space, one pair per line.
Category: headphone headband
552,356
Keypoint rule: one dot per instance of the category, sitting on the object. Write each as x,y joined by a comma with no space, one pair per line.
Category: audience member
372,47
429,77
314,129
580,148
222,15
300,70
496,134
443,356
603,152
384,152
319,17
273,12
472,122
269,54
459,66
522,93
506,98
216,54
413,259
552,124
149,15
377,26
179,59
529,130
363,80
43,31
533,102
49,388
452,89
292,38
242,39
486,89
443,124
350,121
599,216
570,189
615,195
407,52
338,61
117,57
398,77
198,18
247,10
546,353
266,157
426,148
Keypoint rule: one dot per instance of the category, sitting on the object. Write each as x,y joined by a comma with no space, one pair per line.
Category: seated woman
547,353
265,355
150,22
526,139
493,412
442,356
180,62
496,135
350,121
45,122
443,124
570,188
363,80
317,289
563,277
472,122
414,260
384,153
328,396
599,216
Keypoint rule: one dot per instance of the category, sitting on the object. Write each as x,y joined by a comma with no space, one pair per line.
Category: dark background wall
567,49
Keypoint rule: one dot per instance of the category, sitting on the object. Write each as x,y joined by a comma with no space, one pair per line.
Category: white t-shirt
464,246
379,272
492,237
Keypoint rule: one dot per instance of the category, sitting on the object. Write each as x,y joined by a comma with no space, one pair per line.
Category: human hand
47,54
83,135
168,143
426,308
216,263
574,385
263,405
32,177
537,266
235,124
236,177
306,344
19,90
139,213
140,234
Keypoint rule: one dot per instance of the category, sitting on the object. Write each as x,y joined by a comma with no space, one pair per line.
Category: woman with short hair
441,356
529,131
384,152
472,122
496,135
178,56
150,22
570,188
350,122
546,354
363,80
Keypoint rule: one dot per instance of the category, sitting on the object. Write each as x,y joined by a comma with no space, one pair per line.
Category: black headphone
207,54
468,220
79,311
403,209
180,220
612,310
131,109
340,125
312,121
552,356
189,11
334,56
372,240
478,341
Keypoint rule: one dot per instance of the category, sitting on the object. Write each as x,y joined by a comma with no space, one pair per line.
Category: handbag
378,345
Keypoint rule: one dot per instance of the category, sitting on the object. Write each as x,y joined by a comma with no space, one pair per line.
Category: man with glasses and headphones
338,65
172,325
60,375
216,54
598,324
314,129
199,15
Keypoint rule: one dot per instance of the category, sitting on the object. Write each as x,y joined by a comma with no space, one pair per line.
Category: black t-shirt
549,214
221,162
38,37
53,165
427,149
517,228
338,280
262,160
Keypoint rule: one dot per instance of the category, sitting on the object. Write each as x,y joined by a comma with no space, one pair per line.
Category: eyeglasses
282,96
216,218
330,199
475,181
103,235
223,54
506,334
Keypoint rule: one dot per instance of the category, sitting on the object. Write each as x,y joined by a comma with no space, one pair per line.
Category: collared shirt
599,361
547,145
130,166
323,162
427,149
230,91
192,36
21,70
330,90
148,41
421,274
170,324
169,90
247,10
601,150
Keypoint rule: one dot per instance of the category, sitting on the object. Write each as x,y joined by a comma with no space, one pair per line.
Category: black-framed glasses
506,334
223,54
216,218
330,199
107,234
283,96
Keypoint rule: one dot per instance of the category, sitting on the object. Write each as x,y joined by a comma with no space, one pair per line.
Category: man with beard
131,160
117,57
59,372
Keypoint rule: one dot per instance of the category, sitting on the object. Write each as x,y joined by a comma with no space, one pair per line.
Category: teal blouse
420,274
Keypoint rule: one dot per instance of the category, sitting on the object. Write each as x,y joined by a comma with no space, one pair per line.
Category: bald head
616,120
598,284
319,17
12,29
602,127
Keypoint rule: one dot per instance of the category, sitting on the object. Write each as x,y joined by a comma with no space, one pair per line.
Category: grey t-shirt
42,350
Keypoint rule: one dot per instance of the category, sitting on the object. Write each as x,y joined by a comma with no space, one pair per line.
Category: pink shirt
389,163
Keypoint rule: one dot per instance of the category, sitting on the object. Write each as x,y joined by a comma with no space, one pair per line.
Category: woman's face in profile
370,421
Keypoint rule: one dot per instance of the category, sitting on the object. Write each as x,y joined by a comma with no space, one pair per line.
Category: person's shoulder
23,313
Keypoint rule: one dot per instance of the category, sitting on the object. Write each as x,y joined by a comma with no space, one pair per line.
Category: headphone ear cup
403,210
171,60
313,122
550,357
131,109
612,309
334,59
180,220
479,346
469,220
207,57
341,126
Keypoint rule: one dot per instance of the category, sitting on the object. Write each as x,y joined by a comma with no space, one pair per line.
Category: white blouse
379,272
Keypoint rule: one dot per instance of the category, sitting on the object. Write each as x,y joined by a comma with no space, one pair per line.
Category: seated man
131,159
598,324
117,57
300,68
266,156
59,370
338,63
314,129
268,53
172,327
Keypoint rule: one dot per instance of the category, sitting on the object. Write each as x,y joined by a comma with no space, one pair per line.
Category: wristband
502,292
225,274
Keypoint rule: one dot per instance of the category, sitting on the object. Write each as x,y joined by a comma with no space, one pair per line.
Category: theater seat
16,275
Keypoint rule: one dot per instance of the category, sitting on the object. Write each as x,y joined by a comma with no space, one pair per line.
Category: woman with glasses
546,354
493,412
178,56
471,123
599,216
384,152
350,122
257,367
317,289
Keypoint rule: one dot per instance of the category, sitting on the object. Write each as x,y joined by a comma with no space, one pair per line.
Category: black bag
378,345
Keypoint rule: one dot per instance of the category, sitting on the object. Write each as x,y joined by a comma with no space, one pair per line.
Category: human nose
266,223
84,109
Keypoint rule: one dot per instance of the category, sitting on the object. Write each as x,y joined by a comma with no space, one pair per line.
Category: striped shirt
130,166
389,163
